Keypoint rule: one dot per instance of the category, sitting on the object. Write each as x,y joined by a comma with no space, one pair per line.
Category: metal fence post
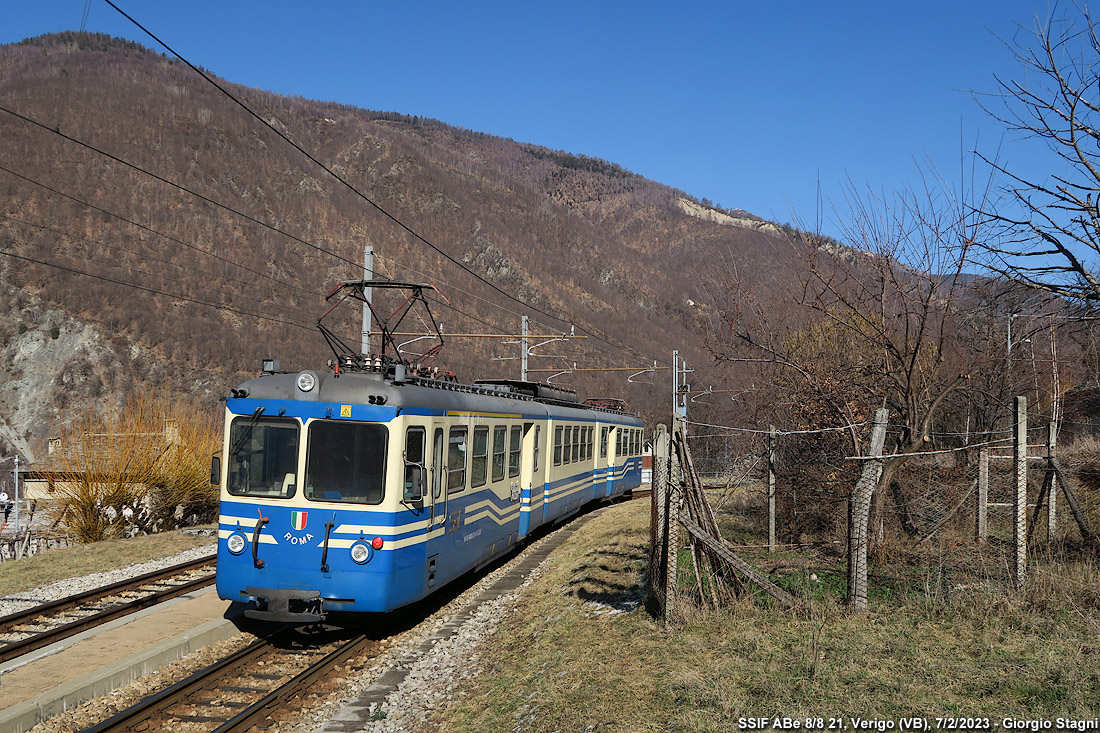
859,514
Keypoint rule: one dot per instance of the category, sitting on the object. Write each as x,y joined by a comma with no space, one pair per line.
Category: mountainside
193,289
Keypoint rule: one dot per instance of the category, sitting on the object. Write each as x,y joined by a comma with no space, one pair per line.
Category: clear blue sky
746,104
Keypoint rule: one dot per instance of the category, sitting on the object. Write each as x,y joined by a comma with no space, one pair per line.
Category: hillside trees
886,320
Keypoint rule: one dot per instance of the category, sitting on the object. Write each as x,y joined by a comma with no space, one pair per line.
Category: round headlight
236,543
306,381
360,552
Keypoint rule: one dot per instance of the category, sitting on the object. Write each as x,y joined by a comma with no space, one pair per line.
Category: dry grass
141,468
561,666
31,572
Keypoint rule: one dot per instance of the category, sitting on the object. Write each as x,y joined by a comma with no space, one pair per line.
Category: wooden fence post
773,543
1019,466
980,528
671,539
859,514
1052,494
663,553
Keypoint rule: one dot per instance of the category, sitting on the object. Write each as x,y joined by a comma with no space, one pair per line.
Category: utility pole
523,351
15,491
368,275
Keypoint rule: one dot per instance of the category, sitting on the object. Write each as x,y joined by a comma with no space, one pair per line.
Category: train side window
499,448
456,460
414,460
557,445
346,462
479,458
603,441
514,451
588,443
535,460
576,443
567,445
637,442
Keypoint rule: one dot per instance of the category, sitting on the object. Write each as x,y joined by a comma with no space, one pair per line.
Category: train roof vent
538,390
608,403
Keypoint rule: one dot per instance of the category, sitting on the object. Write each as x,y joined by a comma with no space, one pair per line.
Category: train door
437,500
530,465
612,457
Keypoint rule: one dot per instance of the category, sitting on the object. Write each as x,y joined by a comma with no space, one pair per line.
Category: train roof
357,387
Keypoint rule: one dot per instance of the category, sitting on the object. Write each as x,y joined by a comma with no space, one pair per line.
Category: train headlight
360,552
236,543
306,381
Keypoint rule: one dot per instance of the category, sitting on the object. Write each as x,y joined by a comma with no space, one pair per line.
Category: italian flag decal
298,520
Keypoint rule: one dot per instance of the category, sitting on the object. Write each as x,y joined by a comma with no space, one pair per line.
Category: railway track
243,690
43,625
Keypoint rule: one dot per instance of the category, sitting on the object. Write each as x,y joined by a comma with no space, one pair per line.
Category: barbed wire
768,432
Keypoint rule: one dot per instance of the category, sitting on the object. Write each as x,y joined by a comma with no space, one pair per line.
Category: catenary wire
160,234
216,306
98,243
181,187
590,331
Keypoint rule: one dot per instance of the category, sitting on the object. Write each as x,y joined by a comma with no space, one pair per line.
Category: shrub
140,468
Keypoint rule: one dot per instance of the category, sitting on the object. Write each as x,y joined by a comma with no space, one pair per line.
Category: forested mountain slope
116,280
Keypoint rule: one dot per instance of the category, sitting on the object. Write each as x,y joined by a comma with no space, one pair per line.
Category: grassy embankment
561,663
67,562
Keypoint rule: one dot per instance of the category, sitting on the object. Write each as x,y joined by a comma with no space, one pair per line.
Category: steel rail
257,712
41,639
132,716
63,604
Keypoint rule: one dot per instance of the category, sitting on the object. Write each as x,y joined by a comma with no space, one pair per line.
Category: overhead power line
169,237
135,286
458,263
178,186
116,264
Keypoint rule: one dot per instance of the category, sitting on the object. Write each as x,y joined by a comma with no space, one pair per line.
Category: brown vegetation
140,469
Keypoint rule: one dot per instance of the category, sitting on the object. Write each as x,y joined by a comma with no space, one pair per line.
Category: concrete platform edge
25,715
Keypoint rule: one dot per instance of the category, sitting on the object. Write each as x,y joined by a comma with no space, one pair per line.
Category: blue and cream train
366,491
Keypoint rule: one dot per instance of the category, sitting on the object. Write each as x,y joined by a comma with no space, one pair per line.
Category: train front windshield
346,462
263,457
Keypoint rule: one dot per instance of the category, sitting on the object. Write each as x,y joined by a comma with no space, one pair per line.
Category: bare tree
1047,224
877,321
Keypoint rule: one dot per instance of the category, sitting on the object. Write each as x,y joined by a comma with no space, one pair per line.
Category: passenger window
576,444
603,441
557,445
456,460
514,452
479,457
414,458
499,435
567,446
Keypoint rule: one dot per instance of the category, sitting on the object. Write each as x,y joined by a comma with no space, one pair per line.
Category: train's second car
364,492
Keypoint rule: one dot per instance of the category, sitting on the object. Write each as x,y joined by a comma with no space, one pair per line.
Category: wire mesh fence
965,515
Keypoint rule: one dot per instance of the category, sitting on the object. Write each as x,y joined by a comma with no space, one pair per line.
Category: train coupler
285,605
